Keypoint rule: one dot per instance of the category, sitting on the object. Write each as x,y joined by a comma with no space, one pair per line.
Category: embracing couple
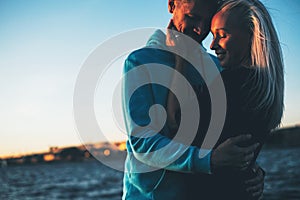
161,165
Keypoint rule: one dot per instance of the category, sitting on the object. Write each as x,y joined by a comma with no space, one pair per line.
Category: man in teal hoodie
157,164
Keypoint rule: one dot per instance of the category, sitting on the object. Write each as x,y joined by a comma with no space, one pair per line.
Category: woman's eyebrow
222,29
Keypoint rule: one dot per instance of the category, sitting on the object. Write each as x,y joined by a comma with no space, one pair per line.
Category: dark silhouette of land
68,154
285,137
280,138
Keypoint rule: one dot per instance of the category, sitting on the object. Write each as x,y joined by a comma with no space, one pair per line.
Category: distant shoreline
284,137
87,152
279,138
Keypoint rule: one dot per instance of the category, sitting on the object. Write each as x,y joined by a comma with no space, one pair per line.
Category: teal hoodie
151,170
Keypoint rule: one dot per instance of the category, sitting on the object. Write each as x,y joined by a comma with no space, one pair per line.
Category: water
282,168
92,180
87,180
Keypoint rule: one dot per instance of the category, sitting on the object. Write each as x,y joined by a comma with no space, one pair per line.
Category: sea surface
282,168
92,180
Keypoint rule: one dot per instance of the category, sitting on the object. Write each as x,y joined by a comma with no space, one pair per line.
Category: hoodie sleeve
147,144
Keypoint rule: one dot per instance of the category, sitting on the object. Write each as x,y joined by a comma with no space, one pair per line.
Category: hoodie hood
157,40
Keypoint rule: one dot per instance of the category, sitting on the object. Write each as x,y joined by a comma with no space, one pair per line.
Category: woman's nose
214,44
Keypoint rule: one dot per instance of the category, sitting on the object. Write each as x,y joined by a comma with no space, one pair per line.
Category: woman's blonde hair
265,58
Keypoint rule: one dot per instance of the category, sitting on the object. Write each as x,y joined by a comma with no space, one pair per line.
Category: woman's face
232,40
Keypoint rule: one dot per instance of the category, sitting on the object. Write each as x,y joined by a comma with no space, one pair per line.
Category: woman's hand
255,185
230,154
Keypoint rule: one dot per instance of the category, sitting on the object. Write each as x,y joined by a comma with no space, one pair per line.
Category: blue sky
44,43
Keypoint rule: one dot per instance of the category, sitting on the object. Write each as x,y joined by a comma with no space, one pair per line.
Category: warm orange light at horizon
49,157
106,152
122,146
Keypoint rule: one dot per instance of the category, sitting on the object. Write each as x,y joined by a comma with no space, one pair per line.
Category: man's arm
148,144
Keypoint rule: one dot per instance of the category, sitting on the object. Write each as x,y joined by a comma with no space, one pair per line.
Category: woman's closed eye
219,35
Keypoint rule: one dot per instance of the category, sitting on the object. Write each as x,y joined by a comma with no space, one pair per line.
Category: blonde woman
247,46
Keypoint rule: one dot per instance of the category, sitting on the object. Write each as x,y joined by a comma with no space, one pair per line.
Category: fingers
246,156
239,139
255,189
170,40
255,168
261,197
255,186
250,149
245,159
249,157
258,194
259,178
244,168
254,181
245,165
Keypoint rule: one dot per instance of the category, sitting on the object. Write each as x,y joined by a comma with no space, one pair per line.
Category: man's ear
171,6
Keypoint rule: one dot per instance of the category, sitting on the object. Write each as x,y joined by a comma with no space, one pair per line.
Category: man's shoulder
140,54
147,55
